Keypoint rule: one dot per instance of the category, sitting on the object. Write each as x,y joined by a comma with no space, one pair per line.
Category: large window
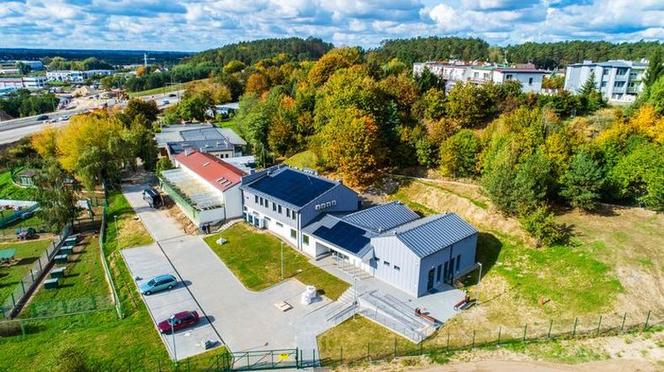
256,199
288,212
293,234
305,239
279,208
274,207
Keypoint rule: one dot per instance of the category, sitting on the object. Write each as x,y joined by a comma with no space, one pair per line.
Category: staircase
343,308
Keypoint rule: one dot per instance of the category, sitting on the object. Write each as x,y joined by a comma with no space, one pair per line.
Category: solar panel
344,235
292,187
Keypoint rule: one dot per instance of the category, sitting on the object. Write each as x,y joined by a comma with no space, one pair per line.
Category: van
152,197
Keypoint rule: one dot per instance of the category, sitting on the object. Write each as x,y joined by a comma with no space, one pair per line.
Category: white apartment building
32,82
454,72
619,81
74,76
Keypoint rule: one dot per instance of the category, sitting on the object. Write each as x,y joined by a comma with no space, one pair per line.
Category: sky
194,25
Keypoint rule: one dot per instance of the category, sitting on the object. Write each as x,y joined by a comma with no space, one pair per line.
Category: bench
61,258
66,250
58,273
51,283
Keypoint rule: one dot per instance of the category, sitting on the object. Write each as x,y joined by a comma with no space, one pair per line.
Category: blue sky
193,25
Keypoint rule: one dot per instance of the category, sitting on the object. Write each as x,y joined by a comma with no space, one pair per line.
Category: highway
15,129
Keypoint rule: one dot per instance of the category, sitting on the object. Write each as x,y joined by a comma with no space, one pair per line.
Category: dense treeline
250,52
178,74
90,63
560,54
22,103
432,48
115,57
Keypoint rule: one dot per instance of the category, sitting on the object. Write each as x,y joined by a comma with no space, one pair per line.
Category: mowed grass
26,254
9,232
304,159
167,89
83,287
107,343
8,190
255,259
132,231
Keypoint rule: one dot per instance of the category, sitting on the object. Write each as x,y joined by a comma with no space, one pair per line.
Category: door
450,273
430,278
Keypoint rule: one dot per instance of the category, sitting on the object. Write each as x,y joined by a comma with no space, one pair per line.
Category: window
438,273
279,208
288,212
274,207
458,261
621,71
293,215
508,77
619,84
280,224
377,259
386,263
255,198
397,268
446,269
603,84
260,201
293,234
530,81
305,239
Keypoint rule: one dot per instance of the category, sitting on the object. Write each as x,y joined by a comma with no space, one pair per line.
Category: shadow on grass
27,261
488,250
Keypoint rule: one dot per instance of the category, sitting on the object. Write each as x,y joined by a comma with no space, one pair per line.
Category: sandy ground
527,366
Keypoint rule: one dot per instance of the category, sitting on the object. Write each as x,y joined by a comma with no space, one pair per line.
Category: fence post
622,326
599,324
525,329
576,320
500,331
645,326
41,268
22,286
548,335
13,300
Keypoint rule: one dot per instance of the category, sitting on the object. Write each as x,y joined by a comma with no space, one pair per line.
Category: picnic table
51,283
7,255
59,272
61,258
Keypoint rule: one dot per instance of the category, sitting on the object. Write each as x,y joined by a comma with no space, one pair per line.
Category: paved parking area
149,261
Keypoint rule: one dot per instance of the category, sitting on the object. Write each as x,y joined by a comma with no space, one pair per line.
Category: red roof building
215,171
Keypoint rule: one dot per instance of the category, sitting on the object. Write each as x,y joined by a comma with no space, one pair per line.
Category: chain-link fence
16,299
450,341
104,262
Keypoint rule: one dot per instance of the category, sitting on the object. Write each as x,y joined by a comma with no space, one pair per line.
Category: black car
152,197
42,117
172,95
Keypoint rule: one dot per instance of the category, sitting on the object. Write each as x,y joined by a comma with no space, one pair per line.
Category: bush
541,225
10,328
71,360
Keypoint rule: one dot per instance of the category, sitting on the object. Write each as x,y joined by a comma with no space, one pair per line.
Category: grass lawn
132,231
254,258
304,159
27,253
9,232
8,190
106,342
83,288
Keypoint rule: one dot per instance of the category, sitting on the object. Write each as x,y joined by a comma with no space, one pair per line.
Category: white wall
233,202
522,77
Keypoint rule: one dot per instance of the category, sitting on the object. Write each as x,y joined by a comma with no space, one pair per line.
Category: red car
176,322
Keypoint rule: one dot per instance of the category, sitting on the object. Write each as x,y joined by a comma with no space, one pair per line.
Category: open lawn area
304,159
26,254
8,190
167,89
104,342
9,232
132,231
255,259
83,287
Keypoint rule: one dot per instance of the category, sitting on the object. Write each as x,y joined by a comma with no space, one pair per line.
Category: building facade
618,81
223,143
75,76
30,82
477,73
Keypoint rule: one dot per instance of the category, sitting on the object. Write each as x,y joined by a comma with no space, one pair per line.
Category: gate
263,359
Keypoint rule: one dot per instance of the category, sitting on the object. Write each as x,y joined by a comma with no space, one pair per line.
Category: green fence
104,261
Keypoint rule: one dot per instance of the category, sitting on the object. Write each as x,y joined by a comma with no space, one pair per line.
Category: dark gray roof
382,217
291,186
430,234
342,235
209,145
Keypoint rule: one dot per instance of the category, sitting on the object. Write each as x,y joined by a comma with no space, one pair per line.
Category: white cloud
201,24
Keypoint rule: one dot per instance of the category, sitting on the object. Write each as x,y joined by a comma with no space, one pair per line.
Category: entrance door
430,277
450,273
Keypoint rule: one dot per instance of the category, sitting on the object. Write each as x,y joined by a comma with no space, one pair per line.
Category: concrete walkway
245,320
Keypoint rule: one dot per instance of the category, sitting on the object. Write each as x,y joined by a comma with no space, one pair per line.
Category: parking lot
149,261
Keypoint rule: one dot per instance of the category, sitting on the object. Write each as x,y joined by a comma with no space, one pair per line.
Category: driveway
245,320
147,262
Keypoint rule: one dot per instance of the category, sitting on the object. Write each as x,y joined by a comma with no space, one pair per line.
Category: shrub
541,225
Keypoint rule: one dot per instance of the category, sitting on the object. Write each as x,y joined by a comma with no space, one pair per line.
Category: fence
104,261
451,341
13,303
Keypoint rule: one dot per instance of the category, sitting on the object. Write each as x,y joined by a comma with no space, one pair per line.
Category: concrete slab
156,221
147,262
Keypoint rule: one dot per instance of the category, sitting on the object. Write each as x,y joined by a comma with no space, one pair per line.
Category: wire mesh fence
104,262
450,341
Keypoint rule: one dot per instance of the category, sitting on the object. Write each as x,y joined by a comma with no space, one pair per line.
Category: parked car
172,95
26,234
176,322
165,102
42,117
152,197
157,284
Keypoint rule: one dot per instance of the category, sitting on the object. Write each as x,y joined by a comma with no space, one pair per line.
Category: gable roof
430,234
215,171
382,217
291,186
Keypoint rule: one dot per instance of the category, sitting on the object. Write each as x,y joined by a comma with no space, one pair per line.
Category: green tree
541,224
163,164
428,80
589,86
469,106
640,175
459,155
656,95
136,107
582,182
56,196
23,68
234,66
655,68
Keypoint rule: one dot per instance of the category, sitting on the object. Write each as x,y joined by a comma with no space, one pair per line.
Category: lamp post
479,280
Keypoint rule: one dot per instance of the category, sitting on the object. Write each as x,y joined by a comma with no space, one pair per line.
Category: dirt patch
185,223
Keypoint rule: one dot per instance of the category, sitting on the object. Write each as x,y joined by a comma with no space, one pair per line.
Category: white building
75,76
619,81
204,187
32,82
454,72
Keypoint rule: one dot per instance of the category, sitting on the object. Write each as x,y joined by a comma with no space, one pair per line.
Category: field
168,89
613,266
99,339
304,159
26,254
255,258
8,190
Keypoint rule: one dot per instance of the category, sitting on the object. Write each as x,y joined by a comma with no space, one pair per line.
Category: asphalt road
15,129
